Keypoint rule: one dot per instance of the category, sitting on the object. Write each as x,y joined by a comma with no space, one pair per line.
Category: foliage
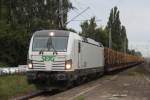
80,98
99,34
102,36
136,53
12,86
118,32
124,39
3,64
19,19
90,30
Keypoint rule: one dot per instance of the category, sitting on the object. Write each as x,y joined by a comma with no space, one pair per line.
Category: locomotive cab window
58,43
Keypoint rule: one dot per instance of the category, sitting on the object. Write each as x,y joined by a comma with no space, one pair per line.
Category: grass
80,98
140,70
13,86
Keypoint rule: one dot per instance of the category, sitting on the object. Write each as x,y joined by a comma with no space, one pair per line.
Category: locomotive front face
48,51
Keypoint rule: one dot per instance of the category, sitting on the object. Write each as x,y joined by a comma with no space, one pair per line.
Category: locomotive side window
79,47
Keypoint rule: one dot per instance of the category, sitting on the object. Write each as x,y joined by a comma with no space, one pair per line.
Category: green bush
14,86
3,64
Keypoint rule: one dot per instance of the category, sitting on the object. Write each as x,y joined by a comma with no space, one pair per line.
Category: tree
114,25
102,36
84,27
37,14
134,52
118,31
89,28
19,19
124,39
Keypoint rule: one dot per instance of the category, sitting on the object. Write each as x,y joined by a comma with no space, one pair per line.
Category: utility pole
61,14
125,40
110,38
0,9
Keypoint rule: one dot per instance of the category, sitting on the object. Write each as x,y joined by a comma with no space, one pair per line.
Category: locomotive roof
46,33
56,32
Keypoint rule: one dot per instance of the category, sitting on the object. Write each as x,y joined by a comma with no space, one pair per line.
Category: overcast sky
134,14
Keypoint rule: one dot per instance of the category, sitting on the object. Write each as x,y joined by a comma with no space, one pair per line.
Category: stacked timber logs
117,60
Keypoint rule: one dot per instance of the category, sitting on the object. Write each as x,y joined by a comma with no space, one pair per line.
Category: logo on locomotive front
48,58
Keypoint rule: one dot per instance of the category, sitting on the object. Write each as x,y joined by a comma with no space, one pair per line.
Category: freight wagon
116,60
57,56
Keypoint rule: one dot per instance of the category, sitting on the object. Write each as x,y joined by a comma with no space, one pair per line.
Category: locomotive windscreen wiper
50,45
41,51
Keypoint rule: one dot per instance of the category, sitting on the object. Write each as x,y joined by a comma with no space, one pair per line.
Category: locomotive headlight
30,66
51,34
68,64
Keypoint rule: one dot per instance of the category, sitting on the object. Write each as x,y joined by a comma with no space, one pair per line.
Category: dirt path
132,84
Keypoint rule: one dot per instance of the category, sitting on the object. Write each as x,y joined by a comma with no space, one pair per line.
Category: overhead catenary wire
77,15
85,19
82,6
88,15
98,20
81,15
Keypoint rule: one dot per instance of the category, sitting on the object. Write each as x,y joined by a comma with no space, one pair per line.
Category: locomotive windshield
58,43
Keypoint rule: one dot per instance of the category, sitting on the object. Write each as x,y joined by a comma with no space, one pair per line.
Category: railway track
130,84
73,93
85,88
31,95
38,93
51,92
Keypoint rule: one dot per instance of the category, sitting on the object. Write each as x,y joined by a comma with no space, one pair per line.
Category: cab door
79,54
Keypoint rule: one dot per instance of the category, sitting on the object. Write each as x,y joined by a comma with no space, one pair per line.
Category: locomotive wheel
66,84
80,80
